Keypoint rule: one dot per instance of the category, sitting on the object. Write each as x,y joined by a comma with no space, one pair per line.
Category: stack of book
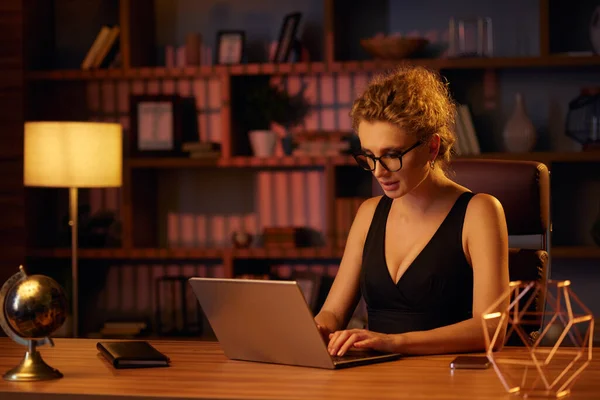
202,149
466,137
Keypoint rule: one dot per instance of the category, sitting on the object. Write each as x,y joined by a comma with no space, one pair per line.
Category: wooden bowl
393,47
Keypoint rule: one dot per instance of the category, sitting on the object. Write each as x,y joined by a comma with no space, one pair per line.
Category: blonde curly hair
413,98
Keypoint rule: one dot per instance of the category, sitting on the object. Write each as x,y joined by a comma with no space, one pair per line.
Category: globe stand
32,368
24,292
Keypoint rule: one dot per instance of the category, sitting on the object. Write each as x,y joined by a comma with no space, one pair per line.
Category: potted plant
267,104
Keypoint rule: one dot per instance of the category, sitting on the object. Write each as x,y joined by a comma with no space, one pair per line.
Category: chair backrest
523,189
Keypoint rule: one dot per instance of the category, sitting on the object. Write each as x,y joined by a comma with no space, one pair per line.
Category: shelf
471,63
129,254
184,72
579,252
239,162
190,253
296,253
320,161
312,67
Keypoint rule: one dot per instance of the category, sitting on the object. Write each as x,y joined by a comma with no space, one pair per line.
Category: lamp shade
73,154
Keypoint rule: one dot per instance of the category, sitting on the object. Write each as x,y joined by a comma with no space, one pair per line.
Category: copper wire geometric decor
555,341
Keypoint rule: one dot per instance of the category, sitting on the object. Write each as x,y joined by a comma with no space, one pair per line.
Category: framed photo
287,37
155,125
230,47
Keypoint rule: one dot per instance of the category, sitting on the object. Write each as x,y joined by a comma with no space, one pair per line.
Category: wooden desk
200,371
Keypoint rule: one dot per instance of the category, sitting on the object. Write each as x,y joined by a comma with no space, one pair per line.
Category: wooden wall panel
12,213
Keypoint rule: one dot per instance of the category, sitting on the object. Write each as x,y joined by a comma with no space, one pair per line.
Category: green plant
268,103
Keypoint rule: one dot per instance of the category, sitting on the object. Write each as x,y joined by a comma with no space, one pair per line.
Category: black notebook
132,354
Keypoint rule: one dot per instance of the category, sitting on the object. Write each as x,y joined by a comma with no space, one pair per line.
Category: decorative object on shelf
553,357
287,143
393,47
241,239
33,307
595,30
266,104
471,37
156,125
73,155
230,47
98,230
287,37
299,52
519,133
583,118
263,142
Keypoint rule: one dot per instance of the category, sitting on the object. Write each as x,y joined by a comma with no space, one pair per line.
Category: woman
429,256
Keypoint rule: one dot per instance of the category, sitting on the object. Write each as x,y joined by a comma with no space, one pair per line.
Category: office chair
523,189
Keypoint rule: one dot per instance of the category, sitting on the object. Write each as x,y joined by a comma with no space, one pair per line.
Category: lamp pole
74,270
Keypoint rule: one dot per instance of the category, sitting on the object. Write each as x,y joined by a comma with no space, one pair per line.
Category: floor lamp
73,155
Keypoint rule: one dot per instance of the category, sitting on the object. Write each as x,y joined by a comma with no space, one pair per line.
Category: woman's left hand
341,341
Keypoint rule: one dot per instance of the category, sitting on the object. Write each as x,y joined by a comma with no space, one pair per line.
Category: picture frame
230,47
156,125
287,37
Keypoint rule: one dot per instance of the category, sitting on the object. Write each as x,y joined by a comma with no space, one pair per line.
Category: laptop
269,321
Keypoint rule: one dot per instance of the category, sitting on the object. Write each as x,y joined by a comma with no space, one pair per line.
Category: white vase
595,30
263,142
519,133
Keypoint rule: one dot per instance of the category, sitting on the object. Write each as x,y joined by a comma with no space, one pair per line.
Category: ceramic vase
519,133
287,143
263,142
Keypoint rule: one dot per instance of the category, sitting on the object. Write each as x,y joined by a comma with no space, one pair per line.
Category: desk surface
199,370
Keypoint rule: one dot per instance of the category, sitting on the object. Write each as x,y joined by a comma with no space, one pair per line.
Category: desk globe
33,307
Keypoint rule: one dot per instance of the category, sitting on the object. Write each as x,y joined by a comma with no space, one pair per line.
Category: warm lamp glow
73,154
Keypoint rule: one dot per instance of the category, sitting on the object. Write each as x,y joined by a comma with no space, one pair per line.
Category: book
108,49
132,354
96,47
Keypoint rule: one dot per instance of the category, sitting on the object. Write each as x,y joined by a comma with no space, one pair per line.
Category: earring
432,163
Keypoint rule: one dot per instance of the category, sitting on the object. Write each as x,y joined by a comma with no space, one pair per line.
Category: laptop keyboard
355,355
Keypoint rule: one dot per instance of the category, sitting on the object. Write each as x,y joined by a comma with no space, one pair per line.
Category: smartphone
470,362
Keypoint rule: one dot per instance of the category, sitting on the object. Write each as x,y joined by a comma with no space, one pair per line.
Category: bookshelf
58,92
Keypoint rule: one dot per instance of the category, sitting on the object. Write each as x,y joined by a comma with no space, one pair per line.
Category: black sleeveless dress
436,289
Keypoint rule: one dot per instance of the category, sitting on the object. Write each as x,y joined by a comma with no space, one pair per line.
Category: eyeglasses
391,162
